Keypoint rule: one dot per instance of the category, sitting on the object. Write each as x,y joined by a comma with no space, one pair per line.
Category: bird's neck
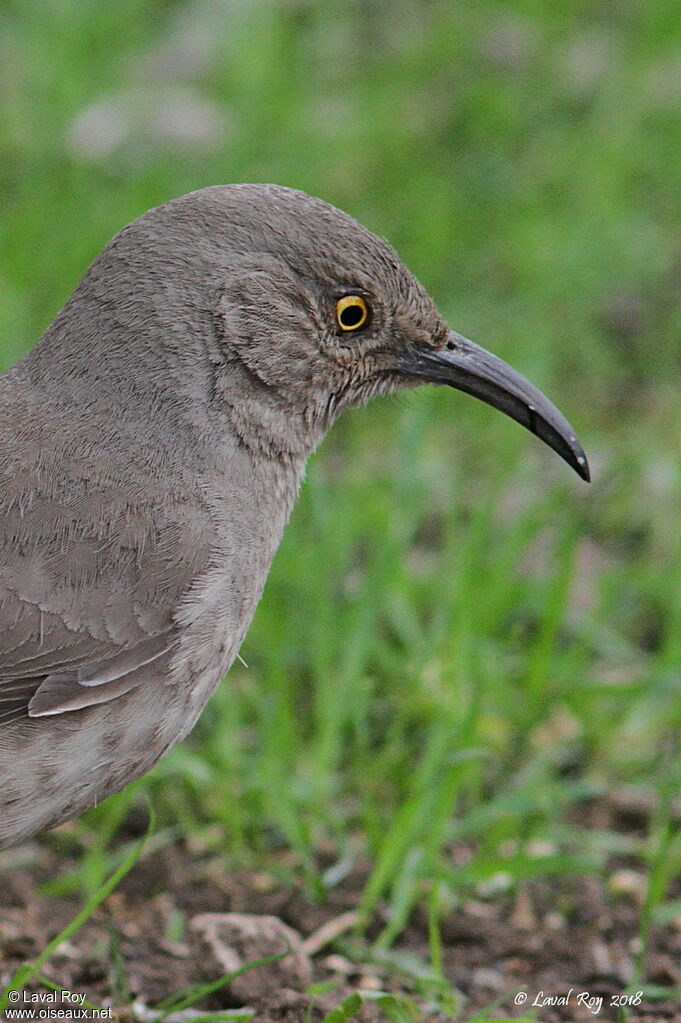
263,420
151,361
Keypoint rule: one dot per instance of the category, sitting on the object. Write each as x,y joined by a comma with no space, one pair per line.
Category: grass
29,971
458,641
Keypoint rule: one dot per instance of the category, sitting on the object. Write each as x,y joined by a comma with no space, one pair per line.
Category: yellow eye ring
352,312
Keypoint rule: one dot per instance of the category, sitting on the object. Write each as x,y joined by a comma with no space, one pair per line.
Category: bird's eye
352,312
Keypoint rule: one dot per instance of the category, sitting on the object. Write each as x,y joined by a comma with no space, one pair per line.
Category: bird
154,441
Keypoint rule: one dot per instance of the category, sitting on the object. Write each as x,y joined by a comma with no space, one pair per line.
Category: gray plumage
153,444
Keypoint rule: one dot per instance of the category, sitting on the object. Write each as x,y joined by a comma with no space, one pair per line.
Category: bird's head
323,315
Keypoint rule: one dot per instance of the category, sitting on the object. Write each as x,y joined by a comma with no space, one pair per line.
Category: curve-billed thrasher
154,441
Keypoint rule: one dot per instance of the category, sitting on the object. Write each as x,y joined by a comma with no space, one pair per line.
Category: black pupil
352,315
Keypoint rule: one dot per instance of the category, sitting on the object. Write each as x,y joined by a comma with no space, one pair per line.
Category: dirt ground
552,950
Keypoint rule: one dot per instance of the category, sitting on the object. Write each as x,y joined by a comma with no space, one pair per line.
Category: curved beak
468,367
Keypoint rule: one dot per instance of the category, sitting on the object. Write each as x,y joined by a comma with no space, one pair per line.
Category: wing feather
91,577
100,681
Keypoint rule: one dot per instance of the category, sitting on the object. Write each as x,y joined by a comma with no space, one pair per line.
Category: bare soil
560,943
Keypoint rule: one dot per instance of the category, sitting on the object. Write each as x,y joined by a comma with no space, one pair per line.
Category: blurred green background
461,646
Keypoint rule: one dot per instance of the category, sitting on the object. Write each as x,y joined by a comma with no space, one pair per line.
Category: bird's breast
249,516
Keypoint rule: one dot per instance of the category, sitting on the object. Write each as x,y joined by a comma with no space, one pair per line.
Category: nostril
450,346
